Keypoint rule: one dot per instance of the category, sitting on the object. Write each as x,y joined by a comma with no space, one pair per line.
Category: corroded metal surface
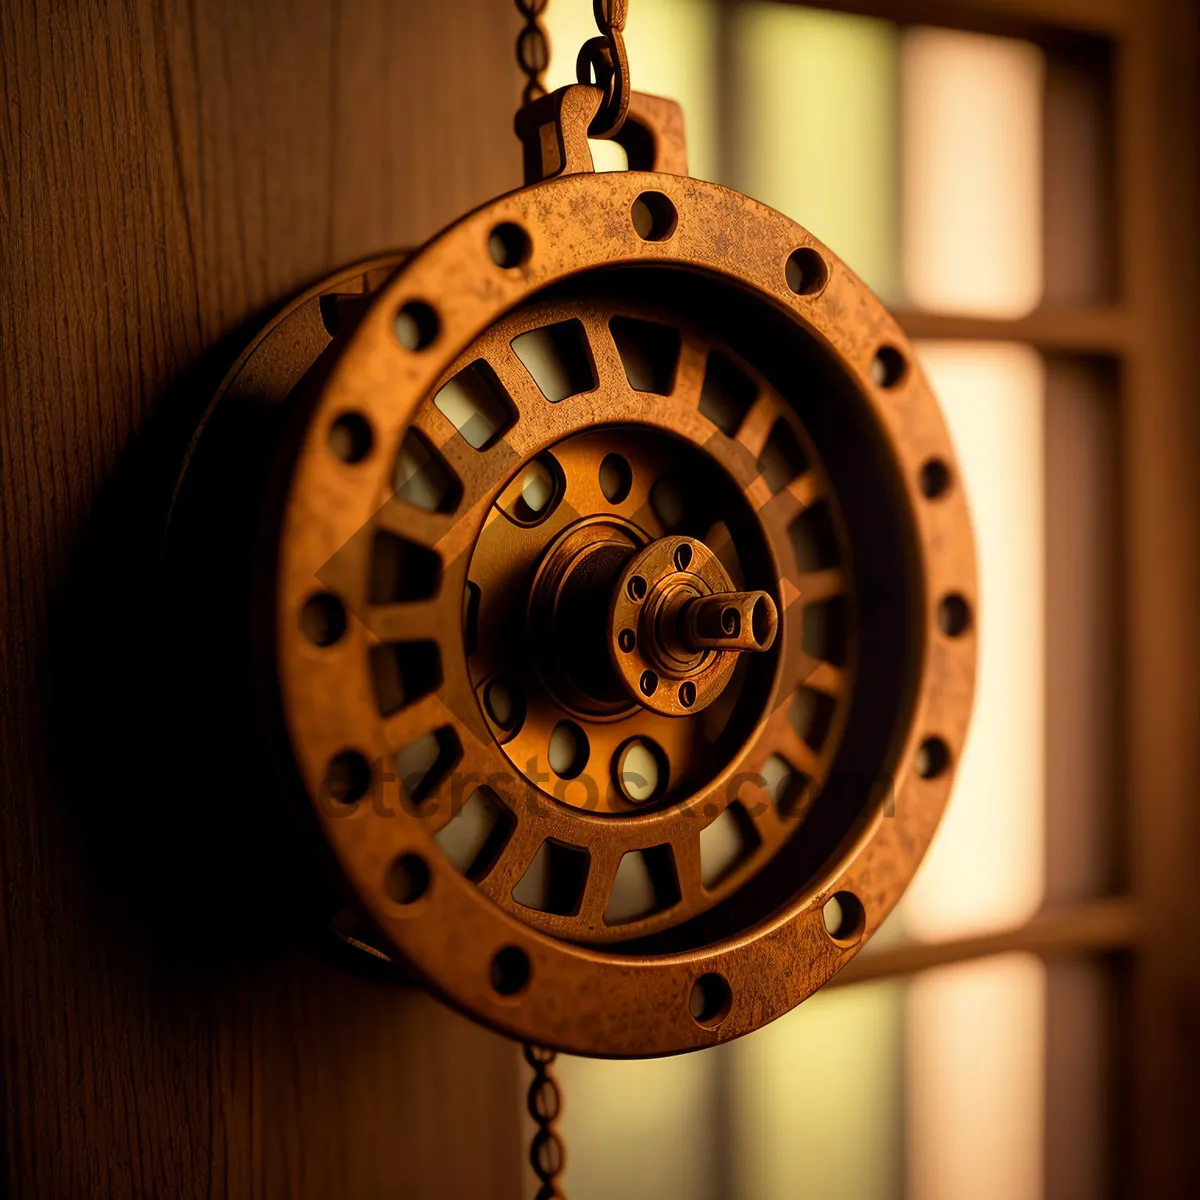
447,596
572,669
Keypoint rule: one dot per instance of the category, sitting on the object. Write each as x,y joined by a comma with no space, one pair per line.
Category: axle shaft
739,621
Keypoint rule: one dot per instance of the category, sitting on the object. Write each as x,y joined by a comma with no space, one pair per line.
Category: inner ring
545,637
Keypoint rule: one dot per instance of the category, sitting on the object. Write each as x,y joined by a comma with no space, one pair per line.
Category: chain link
533,49
604,59
601,60
544,1101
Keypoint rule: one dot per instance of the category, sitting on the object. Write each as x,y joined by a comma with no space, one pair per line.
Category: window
970,177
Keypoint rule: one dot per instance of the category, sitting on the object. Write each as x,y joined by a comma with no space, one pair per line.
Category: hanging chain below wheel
547,1156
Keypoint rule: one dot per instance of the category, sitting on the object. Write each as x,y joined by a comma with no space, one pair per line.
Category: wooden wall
169,171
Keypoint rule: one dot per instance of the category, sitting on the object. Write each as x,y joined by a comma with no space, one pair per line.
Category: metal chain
546,1153
601,59
533,49
604,58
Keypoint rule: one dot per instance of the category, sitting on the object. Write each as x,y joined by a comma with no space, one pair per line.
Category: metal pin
740,621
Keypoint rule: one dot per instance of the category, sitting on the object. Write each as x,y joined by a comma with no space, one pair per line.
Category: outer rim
584,1000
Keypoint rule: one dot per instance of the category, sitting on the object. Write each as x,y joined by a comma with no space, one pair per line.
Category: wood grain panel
168,171
1157,103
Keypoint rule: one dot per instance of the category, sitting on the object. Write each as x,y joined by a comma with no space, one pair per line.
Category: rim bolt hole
648,683
687,694
637,588
683,557
627,640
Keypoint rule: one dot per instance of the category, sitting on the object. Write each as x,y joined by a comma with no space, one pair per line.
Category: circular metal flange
685,782
656,583
522,979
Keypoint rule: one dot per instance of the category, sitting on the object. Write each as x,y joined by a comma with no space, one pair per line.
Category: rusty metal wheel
600,582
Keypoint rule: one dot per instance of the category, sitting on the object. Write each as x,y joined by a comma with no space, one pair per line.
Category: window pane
642,1129
816,1099
976,1055
985,870
813,111
972,133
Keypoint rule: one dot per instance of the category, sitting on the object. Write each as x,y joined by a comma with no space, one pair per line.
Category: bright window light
972,149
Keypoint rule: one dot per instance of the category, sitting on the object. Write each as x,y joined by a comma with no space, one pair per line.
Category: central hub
549,569
568,612
616,619
676,626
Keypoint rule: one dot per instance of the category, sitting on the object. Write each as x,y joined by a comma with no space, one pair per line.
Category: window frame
1147,932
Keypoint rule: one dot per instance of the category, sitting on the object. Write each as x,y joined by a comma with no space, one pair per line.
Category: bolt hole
845,919
509,245
932,758
636,588
323,619
537,490
568,750
348,777
954,615
710,1000
408,879
683,557
934,479
641,770
888,367
627,640
654,217
731,621
503,704
805,272
350,437
648,683
416,325
510,971
687,694
616,478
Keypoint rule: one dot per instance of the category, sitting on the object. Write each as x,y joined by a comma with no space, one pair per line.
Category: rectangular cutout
558,359
649,353
726,395
555,879
782,459
422,477
422,765
476,404
825,632
727,843
646,882
402,571
403,672
786,786
814,539
811,714
475,836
